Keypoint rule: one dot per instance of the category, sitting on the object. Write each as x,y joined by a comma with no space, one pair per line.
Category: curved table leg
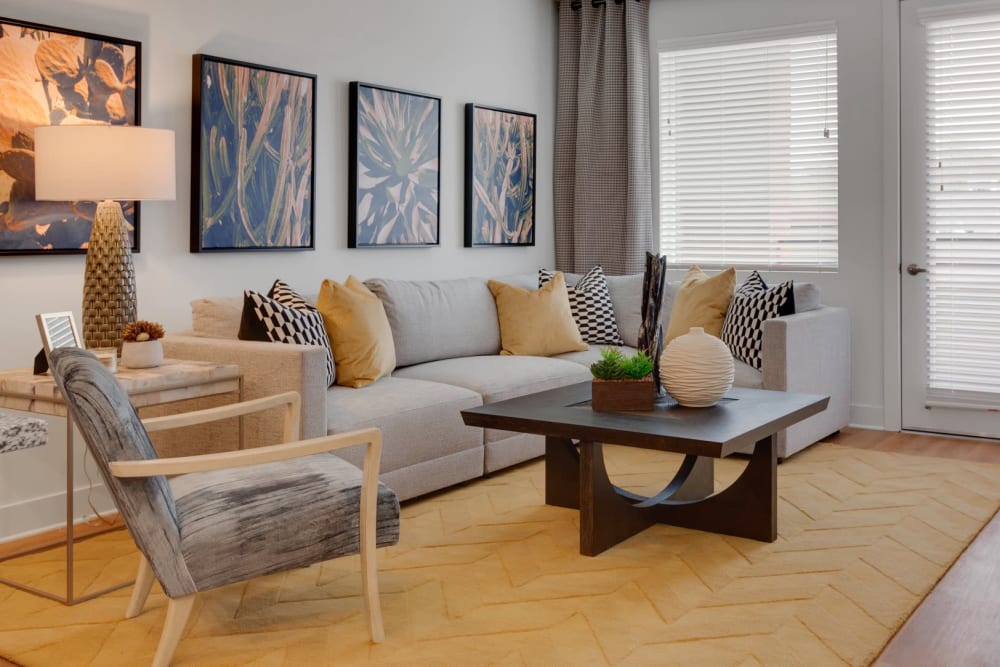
609,515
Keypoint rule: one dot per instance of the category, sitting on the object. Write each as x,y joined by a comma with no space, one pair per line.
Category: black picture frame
27,226
279,184
374,216
490,171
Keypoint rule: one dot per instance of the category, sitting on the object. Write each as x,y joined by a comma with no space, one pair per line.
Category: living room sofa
447,342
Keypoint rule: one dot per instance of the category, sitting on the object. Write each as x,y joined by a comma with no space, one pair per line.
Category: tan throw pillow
359,332
701,301
537,322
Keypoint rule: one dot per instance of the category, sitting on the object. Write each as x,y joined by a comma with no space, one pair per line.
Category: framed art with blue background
499,177
252,157
394,179
56,76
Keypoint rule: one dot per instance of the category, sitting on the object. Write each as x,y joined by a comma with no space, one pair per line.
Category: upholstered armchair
201,522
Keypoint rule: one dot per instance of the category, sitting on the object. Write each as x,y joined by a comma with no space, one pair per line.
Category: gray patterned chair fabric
206,529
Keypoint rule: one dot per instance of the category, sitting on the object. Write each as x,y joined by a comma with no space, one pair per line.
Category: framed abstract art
499,177
252,157
394,176
55,76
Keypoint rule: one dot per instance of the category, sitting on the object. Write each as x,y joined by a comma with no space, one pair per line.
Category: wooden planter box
622,395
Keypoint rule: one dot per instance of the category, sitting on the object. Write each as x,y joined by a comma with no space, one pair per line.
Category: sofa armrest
810,352
267,368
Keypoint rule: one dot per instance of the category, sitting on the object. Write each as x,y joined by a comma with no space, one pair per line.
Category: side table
175,380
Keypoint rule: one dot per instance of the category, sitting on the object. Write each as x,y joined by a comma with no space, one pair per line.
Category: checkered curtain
602,191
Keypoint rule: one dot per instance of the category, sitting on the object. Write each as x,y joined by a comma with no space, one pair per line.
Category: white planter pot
696,369
144,354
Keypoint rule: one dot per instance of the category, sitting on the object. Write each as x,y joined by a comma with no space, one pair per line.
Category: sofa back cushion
216,317
439,319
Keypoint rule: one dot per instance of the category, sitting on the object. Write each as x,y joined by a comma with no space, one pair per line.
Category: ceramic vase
696,369
142,354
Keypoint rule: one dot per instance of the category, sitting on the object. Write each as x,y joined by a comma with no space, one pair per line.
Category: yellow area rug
486,574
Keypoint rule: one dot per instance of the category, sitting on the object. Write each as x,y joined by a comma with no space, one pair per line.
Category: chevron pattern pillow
284,316
752,304
590,303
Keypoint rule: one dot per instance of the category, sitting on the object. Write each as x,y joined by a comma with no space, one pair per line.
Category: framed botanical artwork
54,76
395,174
499,177
253,148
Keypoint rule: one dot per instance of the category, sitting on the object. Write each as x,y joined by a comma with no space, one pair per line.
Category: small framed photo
58,330
499,177
252,157
394,178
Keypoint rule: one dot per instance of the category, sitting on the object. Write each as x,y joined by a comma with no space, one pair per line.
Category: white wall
858,285
498,53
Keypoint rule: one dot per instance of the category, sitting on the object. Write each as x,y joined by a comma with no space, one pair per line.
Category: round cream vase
142,354
696,368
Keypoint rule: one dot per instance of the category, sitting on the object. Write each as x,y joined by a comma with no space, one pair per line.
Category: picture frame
45,68
258,193
58,330
394,201
500,151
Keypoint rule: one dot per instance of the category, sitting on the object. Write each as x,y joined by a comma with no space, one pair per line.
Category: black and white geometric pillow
752,304
267,319
590,303
283,293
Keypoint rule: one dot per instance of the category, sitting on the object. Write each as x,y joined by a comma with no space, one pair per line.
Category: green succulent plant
614,365
638,366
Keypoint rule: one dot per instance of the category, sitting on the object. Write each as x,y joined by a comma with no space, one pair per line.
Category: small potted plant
621,382
141,346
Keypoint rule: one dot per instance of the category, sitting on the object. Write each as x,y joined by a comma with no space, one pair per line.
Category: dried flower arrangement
142,330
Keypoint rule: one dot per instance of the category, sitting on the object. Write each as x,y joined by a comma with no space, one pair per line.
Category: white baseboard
868,416
37,515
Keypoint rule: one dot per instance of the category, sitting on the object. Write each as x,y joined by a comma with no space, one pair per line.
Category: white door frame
892,377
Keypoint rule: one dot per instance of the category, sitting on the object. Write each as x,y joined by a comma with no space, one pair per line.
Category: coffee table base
575,477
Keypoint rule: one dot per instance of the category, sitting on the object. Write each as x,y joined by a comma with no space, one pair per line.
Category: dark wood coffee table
575,475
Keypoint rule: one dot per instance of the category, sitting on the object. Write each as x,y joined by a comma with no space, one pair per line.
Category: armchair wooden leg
178,611
369,585
143,582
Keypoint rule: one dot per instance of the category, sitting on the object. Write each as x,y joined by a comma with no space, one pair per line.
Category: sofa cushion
420,421
497,378
359,332
745,375
267,319
806,297
590,303
701,301
586,357
216,317
536,322
439,319
753,303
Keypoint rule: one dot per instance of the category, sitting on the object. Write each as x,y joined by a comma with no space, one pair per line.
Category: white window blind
748,151
963,209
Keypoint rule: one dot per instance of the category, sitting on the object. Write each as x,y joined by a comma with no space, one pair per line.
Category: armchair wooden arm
372,437
290,399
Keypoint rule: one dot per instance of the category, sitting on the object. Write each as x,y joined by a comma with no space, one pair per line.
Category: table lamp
105,163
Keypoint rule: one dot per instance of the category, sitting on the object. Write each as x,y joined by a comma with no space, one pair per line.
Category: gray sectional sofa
447,339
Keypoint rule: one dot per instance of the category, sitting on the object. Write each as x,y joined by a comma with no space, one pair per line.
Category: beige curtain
602,191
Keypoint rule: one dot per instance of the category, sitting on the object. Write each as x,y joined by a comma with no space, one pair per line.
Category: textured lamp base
109,280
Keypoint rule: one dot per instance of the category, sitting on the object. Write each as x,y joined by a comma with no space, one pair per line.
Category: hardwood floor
957,623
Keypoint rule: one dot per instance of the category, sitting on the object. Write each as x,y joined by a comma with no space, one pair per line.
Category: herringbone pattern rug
487,574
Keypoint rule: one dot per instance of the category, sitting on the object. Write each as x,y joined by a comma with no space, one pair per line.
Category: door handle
913,269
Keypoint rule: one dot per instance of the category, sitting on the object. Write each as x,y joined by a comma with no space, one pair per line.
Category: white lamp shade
98,162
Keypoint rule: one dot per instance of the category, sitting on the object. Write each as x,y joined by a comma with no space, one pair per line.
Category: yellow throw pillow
701,301
359,332
537,322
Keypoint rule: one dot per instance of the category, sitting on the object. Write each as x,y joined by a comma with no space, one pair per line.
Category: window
748,150
963,200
